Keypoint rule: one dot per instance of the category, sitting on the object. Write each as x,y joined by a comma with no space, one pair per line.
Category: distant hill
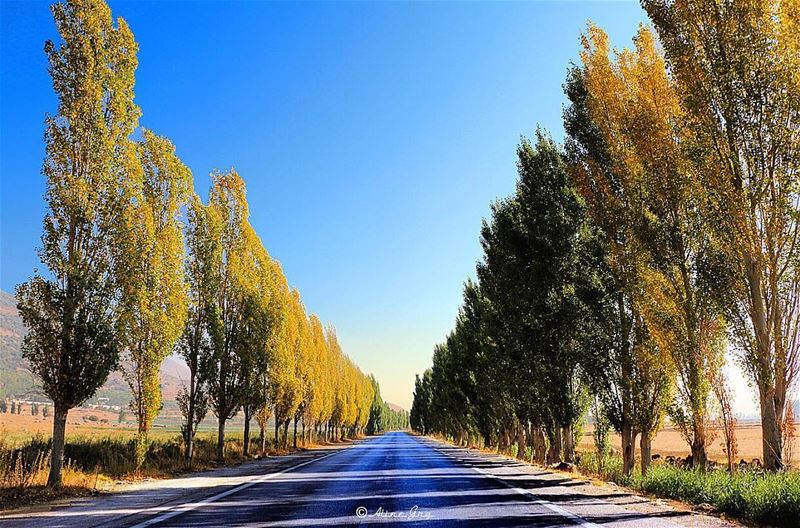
17,381
394,407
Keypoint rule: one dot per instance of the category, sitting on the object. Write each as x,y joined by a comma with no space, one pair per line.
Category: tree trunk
520,442
568,440
286,434
699,457
190,423
771,439
221,440
628,449
189,451
540,446
246,439
645,445
294,439
556,449
59,430
277,436
262,437
529,440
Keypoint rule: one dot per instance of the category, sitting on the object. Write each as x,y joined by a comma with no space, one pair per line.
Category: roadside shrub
27,465
766,498
608,467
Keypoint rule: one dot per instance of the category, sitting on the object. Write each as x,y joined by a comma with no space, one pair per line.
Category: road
391,479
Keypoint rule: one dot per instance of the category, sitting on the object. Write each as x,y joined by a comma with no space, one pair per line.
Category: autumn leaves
666,232
138,267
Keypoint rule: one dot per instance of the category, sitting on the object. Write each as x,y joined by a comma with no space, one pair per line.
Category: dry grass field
669,442
18,428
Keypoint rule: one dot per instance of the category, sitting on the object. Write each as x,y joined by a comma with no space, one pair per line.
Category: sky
372,138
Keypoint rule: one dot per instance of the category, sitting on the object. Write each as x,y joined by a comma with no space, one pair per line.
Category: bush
608,467
766,498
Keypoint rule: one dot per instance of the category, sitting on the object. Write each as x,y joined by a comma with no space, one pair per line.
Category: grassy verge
764,498
96,464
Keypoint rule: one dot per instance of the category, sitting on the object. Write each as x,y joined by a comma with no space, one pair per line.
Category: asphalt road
396,479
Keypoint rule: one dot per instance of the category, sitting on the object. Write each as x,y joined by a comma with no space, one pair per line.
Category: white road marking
183,508
547,504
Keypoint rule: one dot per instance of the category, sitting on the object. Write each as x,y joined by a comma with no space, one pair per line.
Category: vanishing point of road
392,479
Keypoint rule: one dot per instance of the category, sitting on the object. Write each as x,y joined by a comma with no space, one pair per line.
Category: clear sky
372,138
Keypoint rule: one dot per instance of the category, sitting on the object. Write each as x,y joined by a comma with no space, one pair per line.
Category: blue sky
372,138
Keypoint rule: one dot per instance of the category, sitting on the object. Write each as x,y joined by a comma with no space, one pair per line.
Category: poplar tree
303,365
228,214
627,371
735,66
285,389
635,106
150,254
71,315
257,323
316,410
195,345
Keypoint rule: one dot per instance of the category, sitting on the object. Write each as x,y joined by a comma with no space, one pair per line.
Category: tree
735,67
149,251
420,408
257,324
377,409
318,407
193,412
286,391
727,418
303,373
512,369
636,109
72,343
628,370
195,344
528,274
228,221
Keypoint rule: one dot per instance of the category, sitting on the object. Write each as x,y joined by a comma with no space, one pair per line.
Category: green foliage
149,252
381,416
71,318
767,498
514,358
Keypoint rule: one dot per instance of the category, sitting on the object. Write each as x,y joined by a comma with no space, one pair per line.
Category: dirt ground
670,442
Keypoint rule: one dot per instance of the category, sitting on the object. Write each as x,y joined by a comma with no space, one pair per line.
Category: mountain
15,378
394,406
17,381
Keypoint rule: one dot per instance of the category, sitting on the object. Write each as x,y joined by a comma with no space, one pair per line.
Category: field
19,428
669,442
85,422
99,454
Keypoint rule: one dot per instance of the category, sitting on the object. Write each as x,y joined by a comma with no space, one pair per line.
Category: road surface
391,479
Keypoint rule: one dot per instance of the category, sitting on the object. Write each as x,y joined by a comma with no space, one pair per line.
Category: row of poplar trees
139,267
662,233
